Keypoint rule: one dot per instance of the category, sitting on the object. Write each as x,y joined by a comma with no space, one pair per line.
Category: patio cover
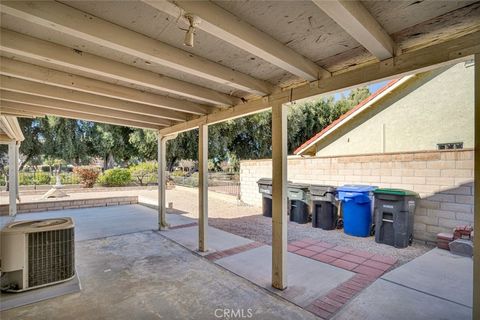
125,63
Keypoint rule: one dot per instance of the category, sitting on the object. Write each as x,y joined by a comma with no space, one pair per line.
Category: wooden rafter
30,72
226,26
36,49
77,107
73,22
414,61
43,90
355,19
12,107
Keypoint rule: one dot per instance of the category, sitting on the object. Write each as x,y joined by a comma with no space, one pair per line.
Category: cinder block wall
444,180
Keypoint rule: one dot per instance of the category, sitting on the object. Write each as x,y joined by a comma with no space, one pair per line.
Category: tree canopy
78,142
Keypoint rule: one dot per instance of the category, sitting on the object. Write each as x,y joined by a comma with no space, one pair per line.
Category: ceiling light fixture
189,36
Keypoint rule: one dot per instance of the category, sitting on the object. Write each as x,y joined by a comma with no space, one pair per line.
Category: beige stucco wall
433,108
442,178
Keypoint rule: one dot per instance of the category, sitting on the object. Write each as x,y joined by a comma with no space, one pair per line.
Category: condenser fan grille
51,256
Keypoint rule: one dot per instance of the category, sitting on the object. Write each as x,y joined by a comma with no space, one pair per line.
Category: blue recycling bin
357,209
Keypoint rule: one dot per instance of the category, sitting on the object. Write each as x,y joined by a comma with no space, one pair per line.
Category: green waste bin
299,202
394,210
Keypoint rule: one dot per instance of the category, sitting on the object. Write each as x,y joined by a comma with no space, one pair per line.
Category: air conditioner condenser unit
36,253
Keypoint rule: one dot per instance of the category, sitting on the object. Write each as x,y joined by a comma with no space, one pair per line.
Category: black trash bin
299,199
265,188
394,210
324,207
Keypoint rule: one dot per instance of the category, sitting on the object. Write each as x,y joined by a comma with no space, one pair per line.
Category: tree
248,137
65,139
32,146
111,143
145,144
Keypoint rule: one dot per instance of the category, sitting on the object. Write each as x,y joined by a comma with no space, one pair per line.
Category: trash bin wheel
340,223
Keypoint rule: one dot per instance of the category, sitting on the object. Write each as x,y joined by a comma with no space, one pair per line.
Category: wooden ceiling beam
355,19
47,91
36,49
30,72
227,27
13,107
76,107
420,60
70,21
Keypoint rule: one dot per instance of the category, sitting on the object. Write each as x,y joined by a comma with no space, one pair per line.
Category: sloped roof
344,118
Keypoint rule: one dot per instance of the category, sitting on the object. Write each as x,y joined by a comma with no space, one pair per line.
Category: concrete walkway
437,285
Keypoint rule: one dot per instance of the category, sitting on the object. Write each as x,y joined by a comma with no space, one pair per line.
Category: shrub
66,178
144,173
25,179
178,173
31,178
41,178
115,177
88,175
69,178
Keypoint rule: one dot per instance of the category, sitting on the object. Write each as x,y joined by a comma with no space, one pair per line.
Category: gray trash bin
324,207
299,202
265,188
394,210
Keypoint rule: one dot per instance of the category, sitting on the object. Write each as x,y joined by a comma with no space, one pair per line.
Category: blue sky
373,87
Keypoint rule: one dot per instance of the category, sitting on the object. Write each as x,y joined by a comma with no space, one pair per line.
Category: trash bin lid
298,186
397,192
356,188
318,189
266,181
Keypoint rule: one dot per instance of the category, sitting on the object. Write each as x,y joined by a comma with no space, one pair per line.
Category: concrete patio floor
140,274
130,270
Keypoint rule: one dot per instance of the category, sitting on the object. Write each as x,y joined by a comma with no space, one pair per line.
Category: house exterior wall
442,178
434,108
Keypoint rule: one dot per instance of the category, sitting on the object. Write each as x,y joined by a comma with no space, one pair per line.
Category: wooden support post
279,195
476,217
202,187
17,179
162,217
12,178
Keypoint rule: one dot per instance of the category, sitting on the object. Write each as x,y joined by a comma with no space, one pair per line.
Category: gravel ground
230,215
258,228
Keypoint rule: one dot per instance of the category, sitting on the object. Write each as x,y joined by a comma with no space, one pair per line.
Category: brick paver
367,266
377,265
230,252
368,271
180,226
347,265
353,258
316,248
292,248
323,258
334,253
306,253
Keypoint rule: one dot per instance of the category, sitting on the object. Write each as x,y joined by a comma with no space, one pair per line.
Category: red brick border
367,266
326,306
230,252
180,226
